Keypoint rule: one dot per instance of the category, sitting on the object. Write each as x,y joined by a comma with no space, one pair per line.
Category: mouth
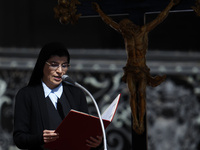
58,78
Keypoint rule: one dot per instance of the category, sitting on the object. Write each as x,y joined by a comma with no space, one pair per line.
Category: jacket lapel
42,106
69,96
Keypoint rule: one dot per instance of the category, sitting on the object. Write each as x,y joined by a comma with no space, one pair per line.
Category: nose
59,69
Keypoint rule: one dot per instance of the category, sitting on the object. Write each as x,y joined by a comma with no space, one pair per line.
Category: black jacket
31,115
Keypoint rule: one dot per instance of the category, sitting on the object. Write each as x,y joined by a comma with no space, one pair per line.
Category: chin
56,83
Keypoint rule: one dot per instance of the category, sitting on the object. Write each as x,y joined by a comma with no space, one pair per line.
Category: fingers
94,141
50,136
95,6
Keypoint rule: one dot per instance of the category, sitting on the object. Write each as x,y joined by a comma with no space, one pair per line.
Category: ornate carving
196,8
175,103
66,11
173,114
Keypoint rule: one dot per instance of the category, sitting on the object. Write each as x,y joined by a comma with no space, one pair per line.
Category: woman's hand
50,136
94,142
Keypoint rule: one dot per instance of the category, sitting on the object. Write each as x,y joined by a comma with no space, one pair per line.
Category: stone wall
173,117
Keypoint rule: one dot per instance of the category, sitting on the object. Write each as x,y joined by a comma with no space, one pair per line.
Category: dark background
26,25
32,23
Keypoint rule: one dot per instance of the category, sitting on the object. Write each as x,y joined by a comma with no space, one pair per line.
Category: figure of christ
136,73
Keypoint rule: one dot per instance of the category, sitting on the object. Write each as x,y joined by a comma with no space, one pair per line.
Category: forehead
58,58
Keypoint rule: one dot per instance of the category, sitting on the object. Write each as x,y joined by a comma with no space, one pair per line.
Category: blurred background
97,58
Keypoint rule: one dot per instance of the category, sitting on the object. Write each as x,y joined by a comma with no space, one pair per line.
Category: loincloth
142,73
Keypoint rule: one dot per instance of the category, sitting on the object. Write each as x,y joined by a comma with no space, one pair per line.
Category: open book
78,126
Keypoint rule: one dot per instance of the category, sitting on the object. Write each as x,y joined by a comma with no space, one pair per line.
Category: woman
46,100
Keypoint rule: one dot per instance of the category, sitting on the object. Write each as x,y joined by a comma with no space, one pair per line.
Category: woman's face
54,68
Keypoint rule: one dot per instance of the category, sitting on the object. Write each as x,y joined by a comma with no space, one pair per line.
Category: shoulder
27,90
72,88
27,96
73,91
24,90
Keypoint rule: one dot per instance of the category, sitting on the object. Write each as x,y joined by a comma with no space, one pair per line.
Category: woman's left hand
94,141
50,136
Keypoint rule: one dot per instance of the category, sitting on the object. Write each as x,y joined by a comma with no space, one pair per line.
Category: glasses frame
56,67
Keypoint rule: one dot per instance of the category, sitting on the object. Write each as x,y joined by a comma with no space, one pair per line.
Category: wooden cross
136,72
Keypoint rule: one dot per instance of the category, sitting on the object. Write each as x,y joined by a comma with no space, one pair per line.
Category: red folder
78,126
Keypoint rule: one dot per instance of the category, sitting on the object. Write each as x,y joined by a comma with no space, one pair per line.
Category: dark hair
48,50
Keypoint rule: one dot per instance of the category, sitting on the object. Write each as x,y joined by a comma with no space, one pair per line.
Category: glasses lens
65,65
55,66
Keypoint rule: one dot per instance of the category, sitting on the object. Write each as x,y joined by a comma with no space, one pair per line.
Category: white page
110,111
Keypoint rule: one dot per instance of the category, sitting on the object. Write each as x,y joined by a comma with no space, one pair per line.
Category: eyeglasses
55,66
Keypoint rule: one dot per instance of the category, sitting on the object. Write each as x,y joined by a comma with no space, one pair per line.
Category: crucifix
136,72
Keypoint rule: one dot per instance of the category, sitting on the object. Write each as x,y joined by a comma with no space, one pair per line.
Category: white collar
57,91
